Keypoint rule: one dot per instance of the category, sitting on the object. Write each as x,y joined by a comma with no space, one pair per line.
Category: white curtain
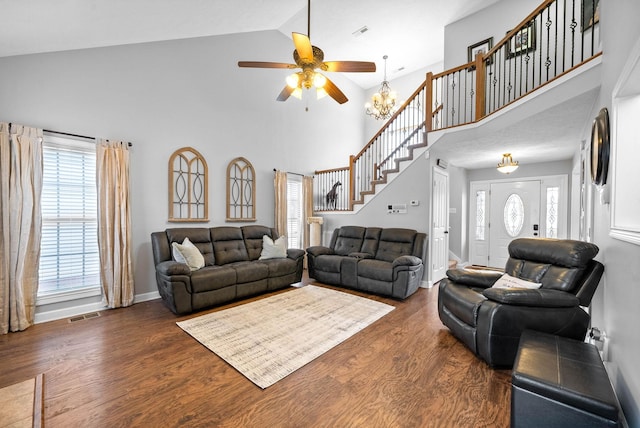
280,187
114,223
21,224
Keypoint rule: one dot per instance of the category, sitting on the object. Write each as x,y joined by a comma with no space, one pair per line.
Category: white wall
493,21
615,307
166,95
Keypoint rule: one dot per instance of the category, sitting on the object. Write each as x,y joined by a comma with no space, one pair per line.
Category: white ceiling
411,32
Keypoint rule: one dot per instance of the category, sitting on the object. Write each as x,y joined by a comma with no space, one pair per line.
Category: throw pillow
273,249
188,253
508,281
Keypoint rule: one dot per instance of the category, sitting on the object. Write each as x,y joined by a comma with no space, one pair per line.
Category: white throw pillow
188,253
273,249
508,281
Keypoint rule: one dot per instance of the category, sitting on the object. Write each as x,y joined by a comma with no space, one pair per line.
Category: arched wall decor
188,188
241,190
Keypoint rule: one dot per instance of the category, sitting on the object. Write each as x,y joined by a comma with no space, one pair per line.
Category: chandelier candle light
383,102
507,165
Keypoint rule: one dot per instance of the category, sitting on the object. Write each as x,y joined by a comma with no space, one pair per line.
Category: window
69,260
513,215
294,212
552,212
480,212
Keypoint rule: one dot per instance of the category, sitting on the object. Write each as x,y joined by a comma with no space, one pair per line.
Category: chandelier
507,165
383,102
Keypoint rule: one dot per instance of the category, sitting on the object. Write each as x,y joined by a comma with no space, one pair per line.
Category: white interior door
440,225
515,213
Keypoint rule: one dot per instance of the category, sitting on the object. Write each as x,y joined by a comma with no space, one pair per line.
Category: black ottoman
560,382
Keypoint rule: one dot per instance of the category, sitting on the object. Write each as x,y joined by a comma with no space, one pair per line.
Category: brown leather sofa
490,320
232,267
388,262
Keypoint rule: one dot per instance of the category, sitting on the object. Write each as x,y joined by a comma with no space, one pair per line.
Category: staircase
557,43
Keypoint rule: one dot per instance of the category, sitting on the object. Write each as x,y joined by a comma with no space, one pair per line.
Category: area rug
268,339
21,404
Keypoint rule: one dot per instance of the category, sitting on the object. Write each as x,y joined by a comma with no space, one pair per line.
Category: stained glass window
513,215
552,212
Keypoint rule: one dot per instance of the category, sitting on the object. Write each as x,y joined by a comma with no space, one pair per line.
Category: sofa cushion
375,269
212,278
228,245
253,239
371,240
395,243
328,263
199,236
280,267
249,271
349,240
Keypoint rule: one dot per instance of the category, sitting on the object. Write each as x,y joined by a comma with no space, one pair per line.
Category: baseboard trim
75,310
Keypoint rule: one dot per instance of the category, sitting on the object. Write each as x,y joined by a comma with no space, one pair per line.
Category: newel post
480,85
428,109
352,181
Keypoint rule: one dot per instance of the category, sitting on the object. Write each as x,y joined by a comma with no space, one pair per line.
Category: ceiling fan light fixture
507,165
293,80
297,92
321,93
319,81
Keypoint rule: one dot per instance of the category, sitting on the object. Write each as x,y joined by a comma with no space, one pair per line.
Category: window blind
69,257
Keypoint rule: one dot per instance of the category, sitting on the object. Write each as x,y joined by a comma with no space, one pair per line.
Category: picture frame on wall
590,13
522,41
480,47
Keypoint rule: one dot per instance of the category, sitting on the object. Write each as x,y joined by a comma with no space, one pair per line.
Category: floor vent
84,317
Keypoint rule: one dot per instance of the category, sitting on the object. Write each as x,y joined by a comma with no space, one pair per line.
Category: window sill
65,296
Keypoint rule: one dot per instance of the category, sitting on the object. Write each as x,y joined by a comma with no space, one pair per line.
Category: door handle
446,231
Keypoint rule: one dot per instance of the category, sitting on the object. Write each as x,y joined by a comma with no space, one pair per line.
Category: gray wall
166,95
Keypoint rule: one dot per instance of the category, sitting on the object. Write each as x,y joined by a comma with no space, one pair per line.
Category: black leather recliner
489,321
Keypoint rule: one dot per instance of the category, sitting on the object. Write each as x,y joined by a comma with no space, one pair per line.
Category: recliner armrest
294,253
541,298
319,250
407,261
171,267
474,277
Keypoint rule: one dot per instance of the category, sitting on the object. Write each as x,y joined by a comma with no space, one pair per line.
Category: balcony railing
556,38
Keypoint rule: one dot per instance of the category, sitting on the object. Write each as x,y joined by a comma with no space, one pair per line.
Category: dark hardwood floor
135,367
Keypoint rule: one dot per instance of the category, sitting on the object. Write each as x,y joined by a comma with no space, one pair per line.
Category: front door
514,213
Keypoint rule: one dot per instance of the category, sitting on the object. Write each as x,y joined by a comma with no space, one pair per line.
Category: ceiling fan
310,59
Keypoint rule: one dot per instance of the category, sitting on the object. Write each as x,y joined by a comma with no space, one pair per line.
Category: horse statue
332,196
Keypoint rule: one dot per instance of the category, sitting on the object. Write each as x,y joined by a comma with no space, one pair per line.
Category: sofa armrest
171,267
474,277
541,298
294,253
407,261
319,250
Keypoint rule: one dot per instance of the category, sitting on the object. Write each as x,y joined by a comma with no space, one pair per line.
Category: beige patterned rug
21,404
268,339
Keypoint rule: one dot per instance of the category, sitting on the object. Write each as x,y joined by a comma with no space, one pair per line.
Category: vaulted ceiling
411,32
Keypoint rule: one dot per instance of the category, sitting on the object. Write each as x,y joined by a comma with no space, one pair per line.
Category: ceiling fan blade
335,93
285,93
262,64
350,66
303,46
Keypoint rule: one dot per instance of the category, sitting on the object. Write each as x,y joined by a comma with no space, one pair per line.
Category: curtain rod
289,172
129,144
